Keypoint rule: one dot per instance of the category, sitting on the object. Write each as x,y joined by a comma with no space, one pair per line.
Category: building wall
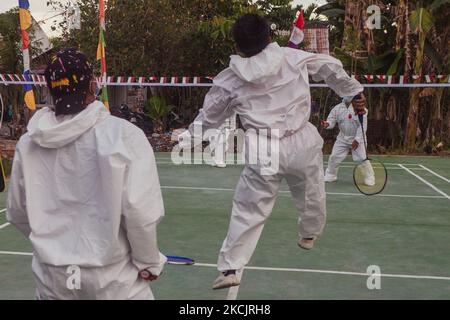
317,40
131,96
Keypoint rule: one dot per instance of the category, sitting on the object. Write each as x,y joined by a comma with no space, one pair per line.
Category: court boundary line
299,270
328,193
242,164
386,275
16,253
426,182
3,226
325,162
436,174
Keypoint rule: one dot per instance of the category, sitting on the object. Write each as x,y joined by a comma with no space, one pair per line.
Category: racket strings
370,177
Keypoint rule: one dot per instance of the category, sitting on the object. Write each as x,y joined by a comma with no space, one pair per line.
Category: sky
40,10
306,3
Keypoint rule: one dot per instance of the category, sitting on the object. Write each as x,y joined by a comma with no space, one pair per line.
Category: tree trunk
413,112
436,123
408,49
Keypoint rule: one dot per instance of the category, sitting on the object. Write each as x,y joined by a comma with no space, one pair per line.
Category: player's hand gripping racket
148,276
370,176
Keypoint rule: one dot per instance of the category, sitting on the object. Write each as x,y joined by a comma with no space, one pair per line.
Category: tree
193,37
11,60
422,22
168,37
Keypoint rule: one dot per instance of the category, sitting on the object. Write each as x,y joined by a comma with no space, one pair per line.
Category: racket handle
360,116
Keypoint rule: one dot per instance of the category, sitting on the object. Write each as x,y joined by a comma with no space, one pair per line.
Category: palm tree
422,22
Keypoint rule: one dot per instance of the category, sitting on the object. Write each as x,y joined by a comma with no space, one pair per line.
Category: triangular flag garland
29,80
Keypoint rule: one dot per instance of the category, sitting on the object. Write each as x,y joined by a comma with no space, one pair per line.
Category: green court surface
405,232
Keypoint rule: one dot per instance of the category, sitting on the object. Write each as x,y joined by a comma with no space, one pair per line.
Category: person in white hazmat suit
85,190
351,137
268,87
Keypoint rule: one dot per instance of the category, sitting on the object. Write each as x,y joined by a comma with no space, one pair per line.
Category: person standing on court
351,137
85,190
268,87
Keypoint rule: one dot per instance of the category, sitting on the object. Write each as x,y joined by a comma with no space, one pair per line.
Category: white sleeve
333,118
216,109
359,134
143,206
326,68
16,212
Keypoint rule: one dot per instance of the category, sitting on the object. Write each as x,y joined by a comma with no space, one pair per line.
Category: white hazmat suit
85,190
271,91
350,131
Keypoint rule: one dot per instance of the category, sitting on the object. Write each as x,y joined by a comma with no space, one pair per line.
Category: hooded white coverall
350,130
271,91
85,190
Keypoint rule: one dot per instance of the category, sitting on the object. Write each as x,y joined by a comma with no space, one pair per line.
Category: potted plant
157,109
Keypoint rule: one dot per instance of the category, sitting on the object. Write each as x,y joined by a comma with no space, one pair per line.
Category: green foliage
438,4
10,57
336,21
435,57
11,60
393,69
168,37
11,42
157,109
421,20
193,38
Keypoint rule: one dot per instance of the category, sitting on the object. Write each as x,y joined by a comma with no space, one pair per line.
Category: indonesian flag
297,35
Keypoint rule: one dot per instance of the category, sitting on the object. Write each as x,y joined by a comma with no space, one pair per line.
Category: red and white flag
297,35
